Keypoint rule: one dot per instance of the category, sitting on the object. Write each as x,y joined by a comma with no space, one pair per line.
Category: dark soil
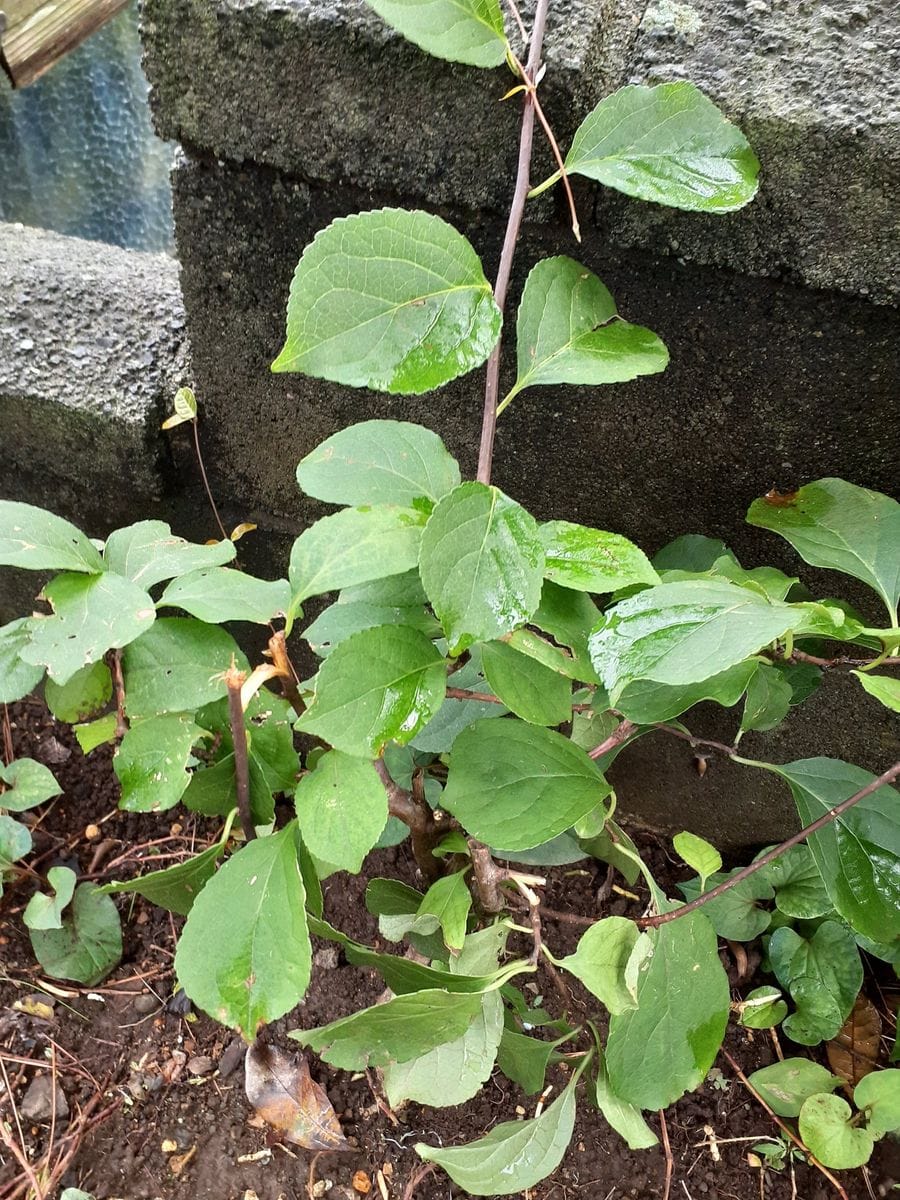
156,1097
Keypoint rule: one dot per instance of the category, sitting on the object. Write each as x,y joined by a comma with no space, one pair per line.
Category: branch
731,751
119,685
234,679
513,225
412,809
833,813
842,660
488,877
621,732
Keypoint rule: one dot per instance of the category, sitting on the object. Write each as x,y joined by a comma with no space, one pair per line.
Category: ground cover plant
479,671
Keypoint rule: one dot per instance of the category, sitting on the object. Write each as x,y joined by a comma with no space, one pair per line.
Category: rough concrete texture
323,90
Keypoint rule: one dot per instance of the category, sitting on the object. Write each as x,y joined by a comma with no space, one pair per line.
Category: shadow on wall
78,151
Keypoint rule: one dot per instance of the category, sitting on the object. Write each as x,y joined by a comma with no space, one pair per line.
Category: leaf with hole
466,31
342,808
668,144
178,666
151,762
392,300
88,945
149,553
38,540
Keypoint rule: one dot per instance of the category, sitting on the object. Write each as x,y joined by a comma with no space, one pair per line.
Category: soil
155,1091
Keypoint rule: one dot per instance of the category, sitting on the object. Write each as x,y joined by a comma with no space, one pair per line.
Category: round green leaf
763,1008
81,696
825,1128
380,685
517,786
88,945
787,1084
15,840
878,1093
342,809
528,688
391,300
45,912
28,783
466,31
481,564
668,144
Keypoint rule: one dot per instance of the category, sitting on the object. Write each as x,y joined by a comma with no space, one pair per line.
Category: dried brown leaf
281,1090
854,1052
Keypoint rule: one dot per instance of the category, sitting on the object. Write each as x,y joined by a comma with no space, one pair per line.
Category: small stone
250,1195
319,1188
38,1102
202,1064
175,829
361,1183
92,832
327,958
146,1003
168,1146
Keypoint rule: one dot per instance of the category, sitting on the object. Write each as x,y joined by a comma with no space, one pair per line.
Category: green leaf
516,785
882,687
825,1127
91,614
455,1071
379,462
397,905
768,700
481,565
698,854
614,846
599,961
391,300
525,1059
28,783
402,1029
96,733
544,652
569,617
177,666
625,1118
735,914
177,887
681,633
570,332
450,900
787,1084
763,1008
45,912
340,620
837,525
691,552
453,716
352,547
823,974
668,144
151,762
380,685
514,1156
244,955
878,1093
149,553
590,560
858,854
647,703
665,1047
800,891
15,841
17,677
88,945
39,541
213,790
558,852
269,721
532,691
80,697
185,406
342,808
466,31
219,594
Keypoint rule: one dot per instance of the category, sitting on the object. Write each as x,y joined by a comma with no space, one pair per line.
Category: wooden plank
35,34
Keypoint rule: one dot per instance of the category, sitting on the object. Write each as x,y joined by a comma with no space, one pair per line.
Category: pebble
327,958
202,1064
37,1103
146,1003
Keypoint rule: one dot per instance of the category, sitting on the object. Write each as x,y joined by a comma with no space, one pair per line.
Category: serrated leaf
15,840
589,560
882,687
280,1088
88,945
379,462
352,547
380,685
600,958
823,974
340,620
449,900
569,331
38,540
516,785
219,594
763,1008
342,808
878,1094
735,914
96,733
787,1084
454,1071
569,617
665,1046
646,702
680,633
514,1156
151,762
177,666
858,854
91,614
698,854
17,677
392,300
625,1118
149,553
668,144
28,783
481,565
768,700
530,690
177,887
466,31
825,1127
244,955
402,1029
842,527
45,912
80,697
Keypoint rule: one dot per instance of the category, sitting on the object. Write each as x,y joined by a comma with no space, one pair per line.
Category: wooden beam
35,34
